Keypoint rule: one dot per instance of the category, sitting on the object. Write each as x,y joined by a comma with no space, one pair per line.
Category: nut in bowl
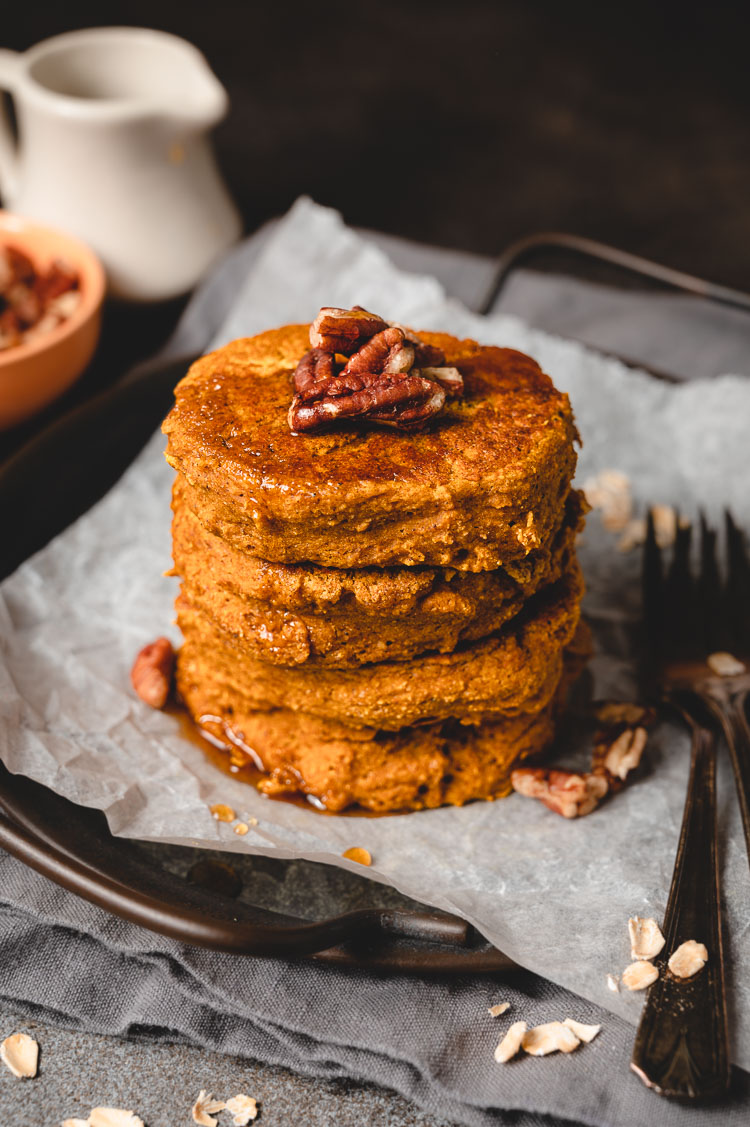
55,344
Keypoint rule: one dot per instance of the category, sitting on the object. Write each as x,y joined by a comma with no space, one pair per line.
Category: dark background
471,123
467,124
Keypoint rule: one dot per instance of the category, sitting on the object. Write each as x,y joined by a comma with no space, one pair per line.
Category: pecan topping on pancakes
360,367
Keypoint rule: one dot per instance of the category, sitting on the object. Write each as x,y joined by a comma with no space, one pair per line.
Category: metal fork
681,1047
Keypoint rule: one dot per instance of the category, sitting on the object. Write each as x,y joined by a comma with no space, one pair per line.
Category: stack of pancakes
372,616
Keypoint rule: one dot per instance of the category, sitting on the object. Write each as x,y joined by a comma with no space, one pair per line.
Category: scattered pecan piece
314,368
569,794
344,330
152,672
622,713
385,352
620,740
621,756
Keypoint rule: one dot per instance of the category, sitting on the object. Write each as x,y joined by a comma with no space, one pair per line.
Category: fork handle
682,1045
732,716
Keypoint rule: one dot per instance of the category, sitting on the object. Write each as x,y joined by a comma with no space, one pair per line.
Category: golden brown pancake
415,768
512,672
291,614
485,483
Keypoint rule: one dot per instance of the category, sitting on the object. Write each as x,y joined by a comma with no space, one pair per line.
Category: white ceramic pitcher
113,147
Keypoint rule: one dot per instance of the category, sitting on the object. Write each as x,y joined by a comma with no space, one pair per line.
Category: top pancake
484,484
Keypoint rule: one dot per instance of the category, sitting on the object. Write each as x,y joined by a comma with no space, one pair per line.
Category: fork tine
737,591
709,593
682,623
652,589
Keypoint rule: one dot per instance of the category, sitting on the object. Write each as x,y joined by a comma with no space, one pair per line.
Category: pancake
485,483
512,672
439,764
291,614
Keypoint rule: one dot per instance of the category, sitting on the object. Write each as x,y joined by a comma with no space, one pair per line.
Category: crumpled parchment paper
555,895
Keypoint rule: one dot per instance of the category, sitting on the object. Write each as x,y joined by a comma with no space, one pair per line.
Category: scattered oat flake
223,813
243,1108
688,959
20,1053
639,975
613,983
241,828
356,853
665,525
113,1117
252,821
552,1037
205,1108
633,534
583,1032
610,492
725,664
646,939
500,1008
511,1042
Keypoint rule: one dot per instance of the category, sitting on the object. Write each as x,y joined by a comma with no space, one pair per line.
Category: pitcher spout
205,102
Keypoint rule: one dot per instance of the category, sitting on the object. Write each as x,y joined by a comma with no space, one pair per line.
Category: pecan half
565,792
314,367
344,330
152,672
425,355
385,352
397,399
450,379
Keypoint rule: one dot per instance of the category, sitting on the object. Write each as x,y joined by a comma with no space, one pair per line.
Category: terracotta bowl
33,374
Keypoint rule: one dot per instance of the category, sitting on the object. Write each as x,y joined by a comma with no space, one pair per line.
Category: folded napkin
430,1039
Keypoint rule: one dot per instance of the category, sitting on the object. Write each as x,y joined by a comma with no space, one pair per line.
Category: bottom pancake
446,763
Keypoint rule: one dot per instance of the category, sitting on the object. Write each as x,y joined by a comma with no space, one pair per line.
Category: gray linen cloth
67,962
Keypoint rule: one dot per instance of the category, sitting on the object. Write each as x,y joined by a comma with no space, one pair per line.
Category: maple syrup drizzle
219,752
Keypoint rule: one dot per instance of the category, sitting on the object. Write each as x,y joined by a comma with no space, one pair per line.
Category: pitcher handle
9,68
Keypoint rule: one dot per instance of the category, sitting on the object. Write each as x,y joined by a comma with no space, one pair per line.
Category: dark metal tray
249,905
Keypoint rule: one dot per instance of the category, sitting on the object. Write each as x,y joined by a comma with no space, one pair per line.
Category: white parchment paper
555,895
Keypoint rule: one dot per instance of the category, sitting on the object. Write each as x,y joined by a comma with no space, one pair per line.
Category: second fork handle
732,715
681,1047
